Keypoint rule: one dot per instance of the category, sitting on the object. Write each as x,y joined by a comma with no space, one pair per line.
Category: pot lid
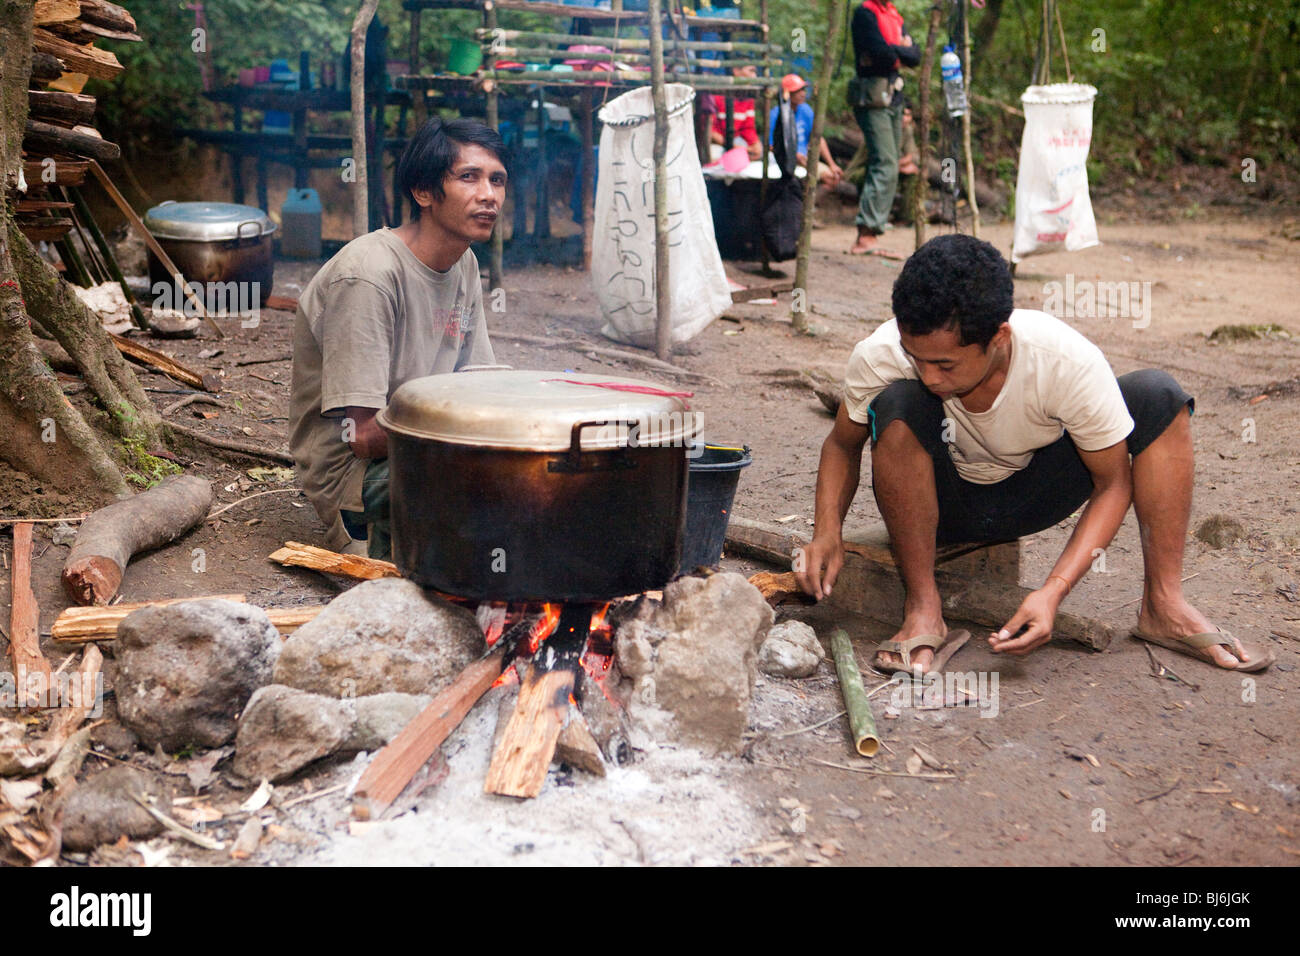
536,411
207,221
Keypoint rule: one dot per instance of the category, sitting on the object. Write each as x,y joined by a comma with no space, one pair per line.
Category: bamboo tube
635,44
551,53
699,81
861,723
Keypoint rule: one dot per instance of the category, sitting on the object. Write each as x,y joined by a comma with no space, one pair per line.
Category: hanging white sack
1053,210
623,237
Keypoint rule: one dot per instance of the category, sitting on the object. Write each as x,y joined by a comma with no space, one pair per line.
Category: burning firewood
395,765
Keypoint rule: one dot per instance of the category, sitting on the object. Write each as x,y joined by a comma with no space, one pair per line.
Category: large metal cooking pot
536,486
214,242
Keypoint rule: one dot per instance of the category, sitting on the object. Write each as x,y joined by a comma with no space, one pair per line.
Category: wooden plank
24,620
78,625
297,554
169,366
47,230
395,765
23,206
94,62
520,762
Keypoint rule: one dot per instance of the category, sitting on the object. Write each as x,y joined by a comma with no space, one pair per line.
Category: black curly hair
954,282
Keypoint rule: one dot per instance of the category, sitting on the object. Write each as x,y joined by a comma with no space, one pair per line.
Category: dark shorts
1049,489
372,525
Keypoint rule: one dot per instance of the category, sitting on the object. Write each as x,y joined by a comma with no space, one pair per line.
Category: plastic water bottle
954,87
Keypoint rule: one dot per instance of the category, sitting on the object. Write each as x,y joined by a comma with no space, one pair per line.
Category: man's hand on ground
1036,615
820,565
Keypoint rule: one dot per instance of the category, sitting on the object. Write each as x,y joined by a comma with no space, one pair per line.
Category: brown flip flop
943,647
1197,645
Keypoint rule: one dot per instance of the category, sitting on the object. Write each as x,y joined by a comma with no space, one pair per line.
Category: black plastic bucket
710,490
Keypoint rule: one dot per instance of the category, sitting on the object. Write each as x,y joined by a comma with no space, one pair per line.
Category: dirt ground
1090,760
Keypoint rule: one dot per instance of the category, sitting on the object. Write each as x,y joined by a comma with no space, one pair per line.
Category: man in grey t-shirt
393,305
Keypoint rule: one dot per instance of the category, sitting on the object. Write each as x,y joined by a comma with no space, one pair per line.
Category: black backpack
782,214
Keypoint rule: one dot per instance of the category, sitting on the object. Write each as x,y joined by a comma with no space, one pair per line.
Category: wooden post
965,125
798,302
922,119
663,285
361,185
765,130
586,110
497,253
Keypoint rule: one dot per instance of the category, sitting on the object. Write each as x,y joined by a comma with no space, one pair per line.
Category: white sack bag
1053,210
623,238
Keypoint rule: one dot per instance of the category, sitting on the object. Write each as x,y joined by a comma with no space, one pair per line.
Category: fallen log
24,622
94,62
110,536
395,765
165,364
297,554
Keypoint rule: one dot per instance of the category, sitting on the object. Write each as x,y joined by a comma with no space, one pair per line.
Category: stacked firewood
60,138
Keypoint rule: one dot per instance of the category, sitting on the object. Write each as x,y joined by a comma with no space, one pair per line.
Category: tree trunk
44,435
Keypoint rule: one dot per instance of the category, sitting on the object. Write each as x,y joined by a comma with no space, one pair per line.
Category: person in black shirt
878,107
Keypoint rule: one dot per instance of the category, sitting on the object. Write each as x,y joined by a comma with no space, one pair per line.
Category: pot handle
239,230
573,460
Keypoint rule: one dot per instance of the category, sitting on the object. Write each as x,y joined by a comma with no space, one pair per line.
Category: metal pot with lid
214,242
537,486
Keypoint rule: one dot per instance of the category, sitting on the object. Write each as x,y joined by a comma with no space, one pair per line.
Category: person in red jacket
746,132
881,47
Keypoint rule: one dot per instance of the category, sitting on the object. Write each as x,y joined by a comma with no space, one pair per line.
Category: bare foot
915,624
1182,620
866,242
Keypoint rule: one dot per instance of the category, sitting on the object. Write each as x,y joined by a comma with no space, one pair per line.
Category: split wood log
45,230
31,670
779,587
297,554
55,11
94,62
106,14
77,625
395,765
67,109
23,756
67,172
520,762
168,366
110,536
861,724
577,746
43,138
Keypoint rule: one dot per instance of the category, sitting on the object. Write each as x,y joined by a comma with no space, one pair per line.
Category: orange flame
508,676
544,628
